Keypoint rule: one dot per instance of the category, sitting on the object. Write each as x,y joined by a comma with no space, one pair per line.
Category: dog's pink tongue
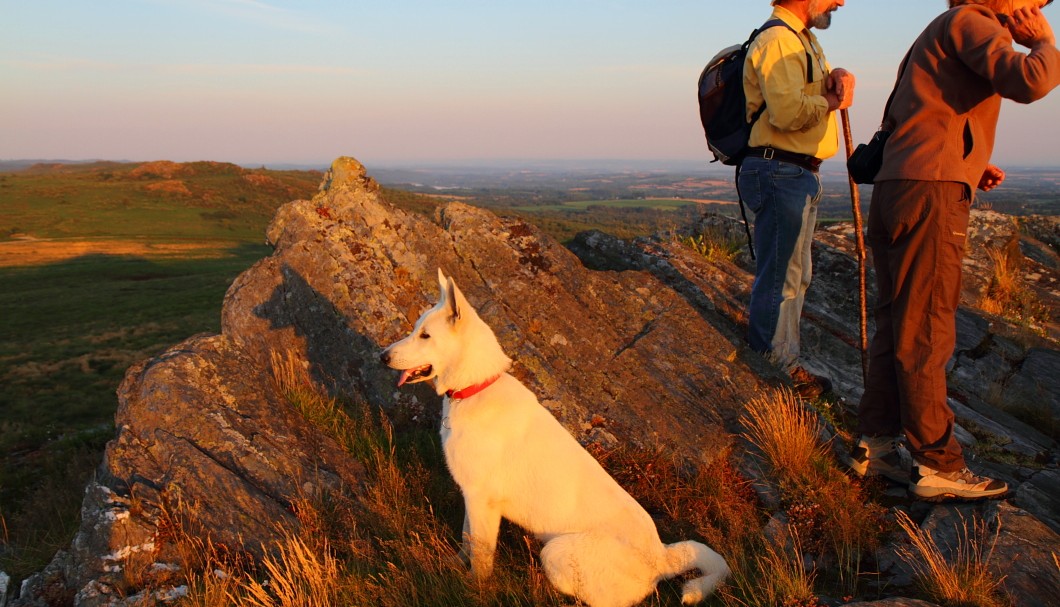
404,378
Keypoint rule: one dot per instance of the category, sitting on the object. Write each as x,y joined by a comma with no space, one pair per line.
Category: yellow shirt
796,117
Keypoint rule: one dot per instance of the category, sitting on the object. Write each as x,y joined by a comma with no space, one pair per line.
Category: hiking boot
881,456
930,484
808,385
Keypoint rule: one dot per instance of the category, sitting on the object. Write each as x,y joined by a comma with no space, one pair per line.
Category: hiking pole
855,202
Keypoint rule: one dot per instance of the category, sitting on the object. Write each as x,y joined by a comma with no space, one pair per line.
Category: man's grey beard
819,20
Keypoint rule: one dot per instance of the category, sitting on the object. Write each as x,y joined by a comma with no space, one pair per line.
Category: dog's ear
453,297
445,291
442,283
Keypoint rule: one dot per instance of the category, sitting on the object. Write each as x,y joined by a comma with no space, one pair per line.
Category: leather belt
810,163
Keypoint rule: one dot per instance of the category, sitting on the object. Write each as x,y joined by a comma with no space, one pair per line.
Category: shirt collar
779,12
785,15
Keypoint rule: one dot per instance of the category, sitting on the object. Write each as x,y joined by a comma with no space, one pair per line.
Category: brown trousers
917,231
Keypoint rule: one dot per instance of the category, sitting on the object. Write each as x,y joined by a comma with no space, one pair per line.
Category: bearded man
786,71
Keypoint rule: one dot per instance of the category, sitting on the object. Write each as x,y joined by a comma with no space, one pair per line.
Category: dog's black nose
385,357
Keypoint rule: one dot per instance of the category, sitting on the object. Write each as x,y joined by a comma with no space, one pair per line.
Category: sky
406,82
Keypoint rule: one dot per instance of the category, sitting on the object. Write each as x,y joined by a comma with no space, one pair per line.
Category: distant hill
159,200
9,166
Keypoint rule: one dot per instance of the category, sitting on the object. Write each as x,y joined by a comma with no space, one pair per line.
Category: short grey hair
993,5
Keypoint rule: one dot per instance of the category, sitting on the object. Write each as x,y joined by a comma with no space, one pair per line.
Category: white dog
512,459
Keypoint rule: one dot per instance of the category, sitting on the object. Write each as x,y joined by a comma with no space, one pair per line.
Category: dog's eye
425,335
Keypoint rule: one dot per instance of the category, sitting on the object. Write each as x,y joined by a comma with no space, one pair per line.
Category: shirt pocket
814,89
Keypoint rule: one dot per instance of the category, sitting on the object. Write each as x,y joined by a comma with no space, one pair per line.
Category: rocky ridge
622,341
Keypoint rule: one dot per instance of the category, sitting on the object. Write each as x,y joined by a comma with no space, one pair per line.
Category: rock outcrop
622,341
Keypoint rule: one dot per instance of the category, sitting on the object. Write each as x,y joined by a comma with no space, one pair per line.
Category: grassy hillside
157,200
102,265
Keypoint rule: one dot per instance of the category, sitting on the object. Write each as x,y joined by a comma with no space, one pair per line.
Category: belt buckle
768,154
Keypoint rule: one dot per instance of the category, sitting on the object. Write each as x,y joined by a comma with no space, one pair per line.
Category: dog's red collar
471,390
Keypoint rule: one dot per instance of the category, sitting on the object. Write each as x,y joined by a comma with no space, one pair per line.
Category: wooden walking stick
855,201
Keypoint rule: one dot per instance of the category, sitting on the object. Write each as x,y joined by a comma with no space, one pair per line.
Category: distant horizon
834,165
277,82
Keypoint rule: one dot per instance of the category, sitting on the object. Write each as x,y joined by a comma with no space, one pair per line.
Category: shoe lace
966,476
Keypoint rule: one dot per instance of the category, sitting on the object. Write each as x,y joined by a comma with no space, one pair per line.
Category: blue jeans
784,199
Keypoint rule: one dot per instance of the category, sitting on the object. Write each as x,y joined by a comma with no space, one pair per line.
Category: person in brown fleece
943,120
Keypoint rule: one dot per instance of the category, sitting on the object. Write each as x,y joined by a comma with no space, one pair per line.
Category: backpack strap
809,58
775,23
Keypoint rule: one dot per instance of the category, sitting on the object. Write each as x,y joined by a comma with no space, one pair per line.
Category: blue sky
408,81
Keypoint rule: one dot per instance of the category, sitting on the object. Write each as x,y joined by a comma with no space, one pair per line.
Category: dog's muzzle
408,376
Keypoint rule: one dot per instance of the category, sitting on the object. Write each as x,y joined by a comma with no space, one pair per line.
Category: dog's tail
684,556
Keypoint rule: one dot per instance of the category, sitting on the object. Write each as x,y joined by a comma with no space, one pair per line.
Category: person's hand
992,177
840,83
1029,27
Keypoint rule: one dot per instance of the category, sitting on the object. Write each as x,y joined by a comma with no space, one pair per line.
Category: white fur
512,459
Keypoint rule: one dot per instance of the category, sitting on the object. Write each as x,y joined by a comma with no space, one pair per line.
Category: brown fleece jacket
945,110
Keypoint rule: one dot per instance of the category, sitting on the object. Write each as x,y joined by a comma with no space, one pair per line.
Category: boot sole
940,494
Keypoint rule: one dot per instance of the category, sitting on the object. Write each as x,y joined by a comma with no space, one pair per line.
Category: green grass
71,328
76,326
69,332
116,201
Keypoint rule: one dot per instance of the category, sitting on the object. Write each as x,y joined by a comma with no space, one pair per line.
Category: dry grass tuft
829,513
1007,295
967,581
714,502
1004,281
776,576
787,433
214,580
715,244
298,576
